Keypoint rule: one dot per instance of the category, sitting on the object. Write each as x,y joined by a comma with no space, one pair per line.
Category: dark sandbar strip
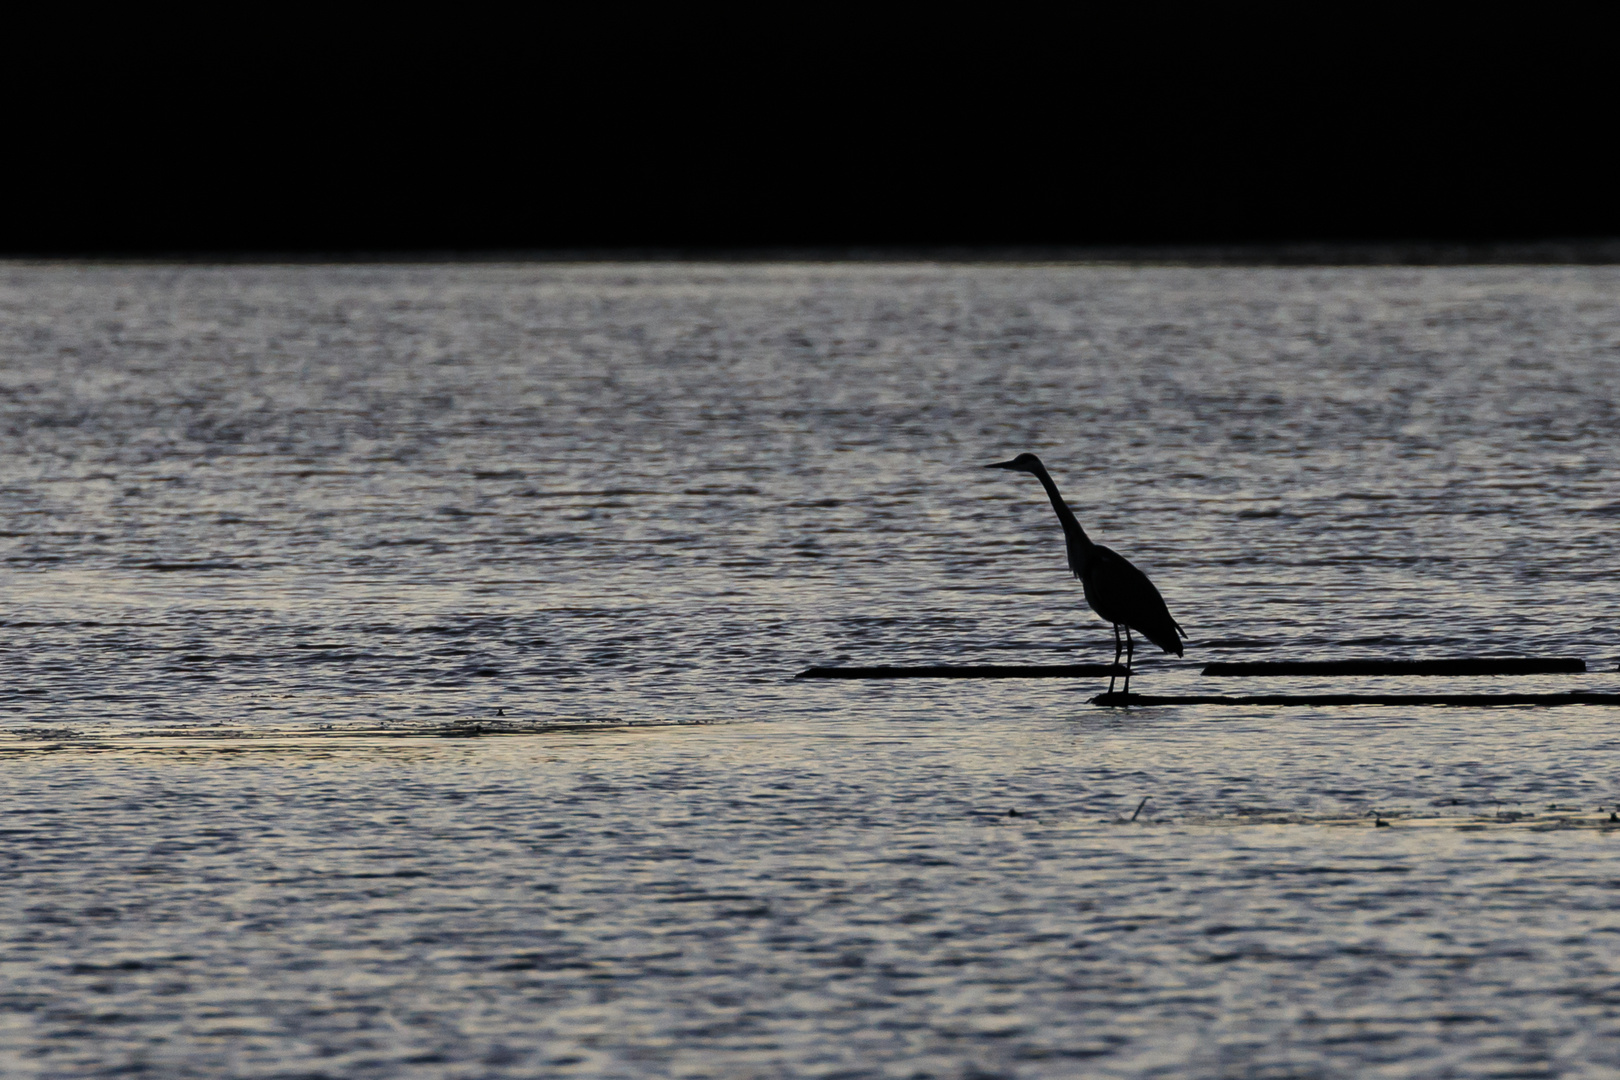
1360,699
1480,665
973,671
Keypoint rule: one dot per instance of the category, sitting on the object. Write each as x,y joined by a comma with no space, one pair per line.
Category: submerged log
972,671
1472,665
1568,698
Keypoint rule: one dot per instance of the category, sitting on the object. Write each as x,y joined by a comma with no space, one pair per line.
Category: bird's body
1115,590
1123,595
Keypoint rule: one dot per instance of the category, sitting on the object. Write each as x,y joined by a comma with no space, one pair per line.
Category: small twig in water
1139,806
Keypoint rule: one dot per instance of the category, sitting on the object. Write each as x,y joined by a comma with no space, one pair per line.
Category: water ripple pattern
395,676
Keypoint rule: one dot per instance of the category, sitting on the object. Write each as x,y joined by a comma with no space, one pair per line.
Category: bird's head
1022,463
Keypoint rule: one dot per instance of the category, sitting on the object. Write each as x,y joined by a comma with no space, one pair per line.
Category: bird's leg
1118,646
1130,651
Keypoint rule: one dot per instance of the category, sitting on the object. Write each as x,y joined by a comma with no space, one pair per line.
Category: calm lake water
396,677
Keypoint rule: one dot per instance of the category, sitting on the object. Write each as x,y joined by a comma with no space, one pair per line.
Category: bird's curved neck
1071,527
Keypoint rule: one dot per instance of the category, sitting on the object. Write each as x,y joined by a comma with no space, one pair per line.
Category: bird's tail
1165,637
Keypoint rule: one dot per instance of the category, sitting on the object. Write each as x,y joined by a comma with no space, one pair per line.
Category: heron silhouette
1115,589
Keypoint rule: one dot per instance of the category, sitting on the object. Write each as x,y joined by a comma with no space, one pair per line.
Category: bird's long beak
1003,465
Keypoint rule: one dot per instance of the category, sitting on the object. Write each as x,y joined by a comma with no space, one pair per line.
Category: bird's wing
1121,593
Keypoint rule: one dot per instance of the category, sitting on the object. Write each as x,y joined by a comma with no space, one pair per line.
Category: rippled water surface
396,672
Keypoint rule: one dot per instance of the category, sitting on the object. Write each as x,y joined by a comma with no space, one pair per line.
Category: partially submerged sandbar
1568,698
967,671
1468,665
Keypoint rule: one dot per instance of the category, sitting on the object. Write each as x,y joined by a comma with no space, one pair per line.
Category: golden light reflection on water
198,743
